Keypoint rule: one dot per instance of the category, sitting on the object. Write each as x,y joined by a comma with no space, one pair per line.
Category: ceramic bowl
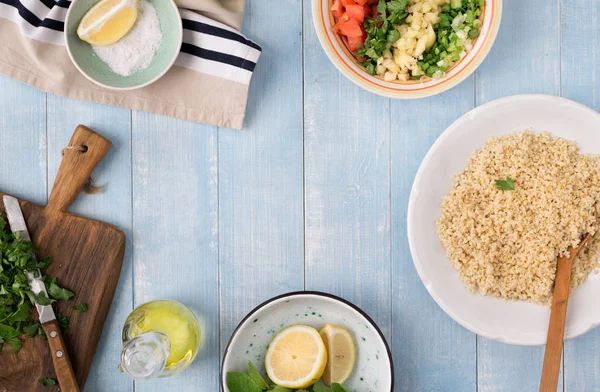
97,71
373,370
347,64
514,322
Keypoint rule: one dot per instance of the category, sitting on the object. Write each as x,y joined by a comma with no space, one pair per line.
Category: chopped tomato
356,12
337,9
346,3
354,43
343,18
349,28
372,2
361,2
374,11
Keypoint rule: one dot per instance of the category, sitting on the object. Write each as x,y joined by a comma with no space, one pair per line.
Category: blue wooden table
311,195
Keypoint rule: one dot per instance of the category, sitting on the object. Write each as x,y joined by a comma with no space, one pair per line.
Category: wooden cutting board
86,258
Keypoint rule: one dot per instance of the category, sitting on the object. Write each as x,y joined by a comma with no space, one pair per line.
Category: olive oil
160,339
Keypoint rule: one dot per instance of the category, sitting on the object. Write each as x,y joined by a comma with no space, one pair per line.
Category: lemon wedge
296,358
108,21
342,354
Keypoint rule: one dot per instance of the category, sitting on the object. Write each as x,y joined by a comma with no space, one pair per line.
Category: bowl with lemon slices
123,44
307,342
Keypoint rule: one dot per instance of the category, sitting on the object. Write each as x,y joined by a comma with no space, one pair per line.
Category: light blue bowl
99,72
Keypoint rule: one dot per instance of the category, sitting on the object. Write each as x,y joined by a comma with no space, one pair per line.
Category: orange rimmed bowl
347,64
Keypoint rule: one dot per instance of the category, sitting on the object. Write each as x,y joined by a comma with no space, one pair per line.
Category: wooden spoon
558,315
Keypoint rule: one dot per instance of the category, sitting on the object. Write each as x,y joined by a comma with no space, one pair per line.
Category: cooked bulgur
506,243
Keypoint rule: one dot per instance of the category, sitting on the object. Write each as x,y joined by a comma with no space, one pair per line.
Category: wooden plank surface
309,188
113,205
23,141
260,173
580,81
531,66
431,351
346,186
175,227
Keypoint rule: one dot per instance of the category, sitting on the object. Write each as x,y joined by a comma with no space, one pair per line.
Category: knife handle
86,150
60,357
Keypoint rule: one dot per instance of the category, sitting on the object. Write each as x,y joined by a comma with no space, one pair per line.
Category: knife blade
58,350
17,224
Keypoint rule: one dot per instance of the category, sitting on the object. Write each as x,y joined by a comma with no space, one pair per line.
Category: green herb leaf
321,388
43,263
7,331
393,35
41,299
279,388
21,314
256,377
17,258
240,382
82,308
63,322
381,30
58,292
31,330
15,343
47,381
397,6
338,388
505,185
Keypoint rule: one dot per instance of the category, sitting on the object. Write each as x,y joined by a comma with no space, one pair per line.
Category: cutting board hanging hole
84,151
89,187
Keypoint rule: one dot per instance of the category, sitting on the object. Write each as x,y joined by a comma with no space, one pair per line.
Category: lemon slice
342,354
108,21
296,357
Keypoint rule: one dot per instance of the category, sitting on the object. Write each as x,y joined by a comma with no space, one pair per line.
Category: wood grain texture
260,172
87,257
240,195
347,186
112,205
60,357
518,66
558,316
580,77
23,141
175,230
431,351
80,157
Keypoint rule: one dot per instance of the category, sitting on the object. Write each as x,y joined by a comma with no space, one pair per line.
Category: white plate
511,322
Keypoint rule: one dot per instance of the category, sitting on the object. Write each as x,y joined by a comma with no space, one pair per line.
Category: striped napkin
209,82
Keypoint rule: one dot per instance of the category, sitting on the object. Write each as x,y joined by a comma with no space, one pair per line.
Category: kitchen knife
60,357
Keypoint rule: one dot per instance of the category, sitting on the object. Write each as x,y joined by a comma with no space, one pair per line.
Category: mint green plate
97,71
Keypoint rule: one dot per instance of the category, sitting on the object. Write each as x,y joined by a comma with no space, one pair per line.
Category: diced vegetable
336,9
404,39
354,43
349,16
349,28
356,12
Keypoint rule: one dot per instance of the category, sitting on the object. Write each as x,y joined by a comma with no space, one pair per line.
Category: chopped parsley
381,30
47,381
81,308
505,185
17,258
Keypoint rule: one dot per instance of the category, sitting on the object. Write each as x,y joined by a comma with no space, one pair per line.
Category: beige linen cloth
208,83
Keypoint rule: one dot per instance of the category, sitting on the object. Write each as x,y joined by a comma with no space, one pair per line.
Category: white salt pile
136,50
